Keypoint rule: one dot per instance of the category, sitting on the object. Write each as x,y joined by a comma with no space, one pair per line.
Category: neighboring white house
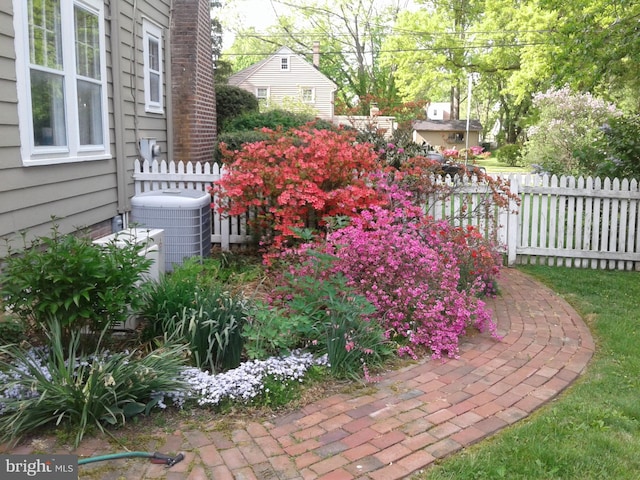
285,77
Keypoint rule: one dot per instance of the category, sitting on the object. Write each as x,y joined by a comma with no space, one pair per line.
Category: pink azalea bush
409,268
451,153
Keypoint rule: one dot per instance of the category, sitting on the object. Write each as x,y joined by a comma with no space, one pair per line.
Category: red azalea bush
296,178
423,277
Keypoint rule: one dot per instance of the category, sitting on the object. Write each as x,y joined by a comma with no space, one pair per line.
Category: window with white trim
284,63
62,81
308,94
262,94
152,49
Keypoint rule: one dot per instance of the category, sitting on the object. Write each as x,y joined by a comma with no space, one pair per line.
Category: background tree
349,35
499,43
382,50
569,128
598,48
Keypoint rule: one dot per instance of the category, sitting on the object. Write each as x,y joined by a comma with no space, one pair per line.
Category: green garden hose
155,458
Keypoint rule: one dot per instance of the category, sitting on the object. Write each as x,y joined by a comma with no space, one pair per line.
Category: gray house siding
9,134
81,194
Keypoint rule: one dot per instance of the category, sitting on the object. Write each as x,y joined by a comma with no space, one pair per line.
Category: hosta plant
77,282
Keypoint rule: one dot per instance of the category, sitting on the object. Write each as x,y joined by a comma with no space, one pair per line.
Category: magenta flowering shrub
409,268
404,265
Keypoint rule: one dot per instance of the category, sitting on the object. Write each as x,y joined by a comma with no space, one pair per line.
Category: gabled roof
245,74
446,125
239,77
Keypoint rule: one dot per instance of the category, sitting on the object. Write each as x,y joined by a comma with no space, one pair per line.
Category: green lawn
593,430
494,166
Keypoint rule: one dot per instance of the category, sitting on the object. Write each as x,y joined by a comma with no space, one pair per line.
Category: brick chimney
316,54
194,101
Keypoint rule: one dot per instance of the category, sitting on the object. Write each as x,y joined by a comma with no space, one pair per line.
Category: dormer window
284,63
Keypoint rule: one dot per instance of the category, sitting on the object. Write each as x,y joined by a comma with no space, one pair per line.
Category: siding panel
288,84
85,193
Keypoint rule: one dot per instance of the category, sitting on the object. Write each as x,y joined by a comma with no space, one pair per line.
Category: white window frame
73,151
152,32
264,99
285,63
313,94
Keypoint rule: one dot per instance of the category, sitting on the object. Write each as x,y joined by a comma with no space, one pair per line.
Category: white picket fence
583,222
577,222
150,176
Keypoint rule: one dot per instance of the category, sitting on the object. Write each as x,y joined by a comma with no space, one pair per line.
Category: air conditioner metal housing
185,217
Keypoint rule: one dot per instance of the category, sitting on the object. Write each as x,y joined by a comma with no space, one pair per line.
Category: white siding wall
288,84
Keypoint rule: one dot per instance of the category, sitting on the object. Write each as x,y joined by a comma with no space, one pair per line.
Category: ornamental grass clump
212,328
59,385
192,306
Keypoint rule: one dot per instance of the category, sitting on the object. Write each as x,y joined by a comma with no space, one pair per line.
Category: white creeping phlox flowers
244,383
241,384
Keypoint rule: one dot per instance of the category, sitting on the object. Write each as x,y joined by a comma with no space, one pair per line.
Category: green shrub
509,154
70,278
271,119
272,331
245,128
62,386
235,141
339,324
232,101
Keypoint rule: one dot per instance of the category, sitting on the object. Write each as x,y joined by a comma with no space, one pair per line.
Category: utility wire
405,50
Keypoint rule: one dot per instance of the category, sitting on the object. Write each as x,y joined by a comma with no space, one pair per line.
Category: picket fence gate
560,221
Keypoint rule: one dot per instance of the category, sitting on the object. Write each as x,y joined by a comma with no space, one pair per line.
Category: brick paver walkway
409,419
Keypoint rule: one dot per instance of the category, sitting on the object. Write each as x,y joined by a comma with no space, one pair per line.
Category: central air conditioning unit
185,217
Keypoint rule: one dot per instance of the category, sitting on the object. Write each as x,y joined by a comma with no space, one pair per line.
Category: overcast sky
250,13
